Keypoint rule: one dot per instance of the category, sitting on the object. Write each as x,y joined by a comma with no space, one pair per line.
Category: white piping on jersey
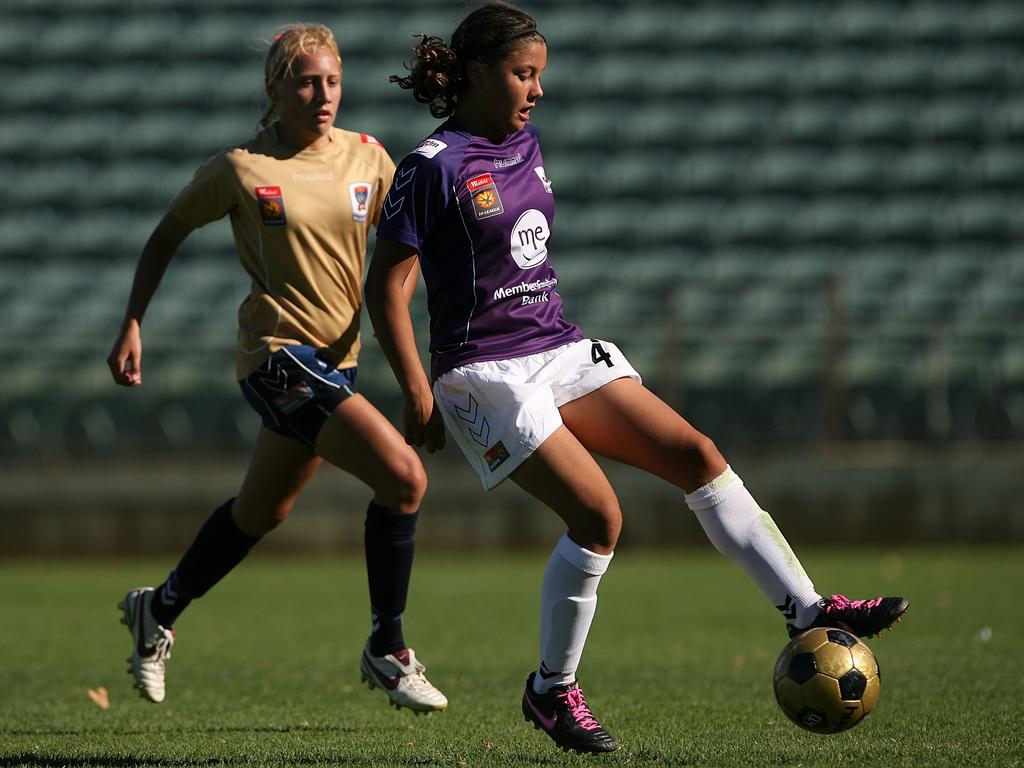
472,261
314,374
266,284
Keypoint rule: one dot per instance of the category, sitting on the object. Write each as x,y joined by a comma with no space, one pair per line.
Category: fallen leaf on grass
99,697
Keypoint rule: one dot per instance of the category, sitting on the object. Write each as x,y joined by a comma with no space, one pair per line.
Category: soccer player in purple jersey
301,196
523,392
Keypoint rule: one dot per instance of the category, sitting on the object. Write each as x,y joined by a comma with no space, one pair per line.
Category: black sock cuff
394,523
222,522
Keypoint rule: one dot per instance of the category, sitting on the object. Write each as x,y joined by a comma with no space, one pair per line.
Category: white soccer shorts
500,411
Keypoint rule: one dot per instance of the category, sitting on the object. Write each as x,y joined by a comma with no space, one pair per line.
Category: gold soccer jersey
300,222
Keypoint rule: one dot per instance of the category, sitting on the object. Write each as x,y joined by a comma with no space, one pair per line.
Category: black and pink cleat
562,713
863,618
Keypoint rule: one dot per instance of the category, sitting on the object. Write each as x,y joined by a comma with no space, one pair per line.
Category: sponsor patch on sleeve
430,147
271,205
368,139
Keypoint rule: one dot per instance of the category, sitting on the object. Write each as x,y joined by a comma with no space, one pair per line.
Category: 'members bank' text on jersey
480,216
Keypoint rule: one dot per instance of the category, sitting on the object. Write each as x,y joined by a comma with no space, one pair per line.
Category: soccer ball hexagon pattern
826,680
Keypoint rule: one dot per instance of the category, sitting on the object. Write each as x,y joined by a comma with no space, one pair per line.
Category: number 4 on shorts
598,354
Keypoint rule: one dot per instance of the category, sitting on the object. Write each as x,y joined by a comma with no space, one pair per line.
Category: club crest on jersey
359,195
496,455
539,170
271,204
484,193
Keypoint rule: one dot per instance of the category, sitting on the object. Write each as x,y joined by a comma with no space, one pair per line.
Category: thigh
499,412
279,469
625,421
562,474
359,439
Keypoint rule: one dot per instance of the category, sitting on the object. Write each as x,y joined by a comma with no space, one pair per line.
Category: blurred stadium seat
760,202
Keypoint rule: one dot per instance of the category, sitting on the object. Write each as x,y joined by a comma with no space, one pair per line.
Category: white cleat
152,644
401,677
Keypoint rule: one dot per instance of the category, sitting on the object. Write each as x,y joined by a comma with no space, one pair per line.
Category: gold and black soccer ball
826,680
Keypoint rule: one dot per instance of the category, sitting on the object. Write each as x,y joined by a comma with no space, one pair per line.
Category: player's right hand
125,359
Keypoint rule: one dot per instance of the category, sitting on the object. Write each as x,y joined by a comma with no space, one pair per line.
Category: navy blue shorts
295,392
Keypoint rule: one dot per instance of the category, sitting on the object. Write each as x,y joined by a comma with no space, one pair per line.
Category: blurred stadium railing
800,220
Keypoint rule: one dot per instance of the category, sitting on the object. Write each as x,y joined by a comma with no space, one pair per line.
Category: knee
604,524
609,534
408,484
278,514
259,519
701,461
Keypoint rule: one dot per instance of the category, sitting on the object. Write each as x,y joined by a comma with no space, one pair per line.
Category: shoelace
579,710
417,679
161,648
841,603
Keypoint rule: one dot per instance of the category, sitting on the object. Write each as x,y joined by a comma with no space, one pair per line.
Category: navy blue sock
218,547
169,601
390,544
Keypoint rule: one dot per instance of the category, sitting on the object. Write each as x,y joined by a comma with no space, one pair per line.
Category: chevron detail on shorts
479,429
275,380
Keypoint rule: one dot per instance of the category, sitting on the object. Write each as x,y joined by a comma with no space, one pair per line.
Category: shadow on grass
52,759
211,729
32,760
48,761
107,761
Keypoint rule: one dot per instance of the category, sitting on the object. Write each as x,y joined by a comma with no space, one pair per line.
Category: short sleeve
413,204
211,194
384,180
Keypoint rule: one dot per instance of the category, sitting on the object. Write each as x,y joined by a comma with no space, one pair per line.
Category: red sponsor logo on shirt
484,193
479,181
271,205
368,139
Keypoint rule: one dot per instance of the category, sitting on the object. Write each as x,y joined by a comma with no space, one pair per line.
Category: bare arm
389,284
125,359
409,286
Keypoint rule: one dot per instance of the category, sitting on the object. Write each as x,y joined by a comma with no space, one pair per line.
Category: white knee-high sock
744,532
568,599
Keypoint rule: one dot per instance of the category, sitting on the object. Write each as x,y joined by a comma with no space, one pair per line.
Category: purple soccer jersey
479,214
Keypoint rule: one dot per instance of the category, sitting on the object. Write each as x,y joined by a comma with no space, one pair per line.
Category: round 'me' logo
529,239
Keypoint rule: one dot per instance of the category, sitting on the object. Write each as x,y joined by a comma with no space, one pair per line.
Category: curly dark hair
437,73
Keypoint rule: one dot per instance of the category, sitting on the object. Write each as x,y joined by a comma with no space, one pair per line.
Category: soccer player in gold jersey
300,196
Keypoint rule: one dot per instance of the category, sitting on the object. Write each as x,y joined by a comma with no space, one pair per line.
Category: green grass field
265,670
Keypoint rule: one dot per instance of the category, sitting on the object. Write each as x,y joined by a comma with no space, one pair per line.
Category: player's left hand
423,423
435,430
